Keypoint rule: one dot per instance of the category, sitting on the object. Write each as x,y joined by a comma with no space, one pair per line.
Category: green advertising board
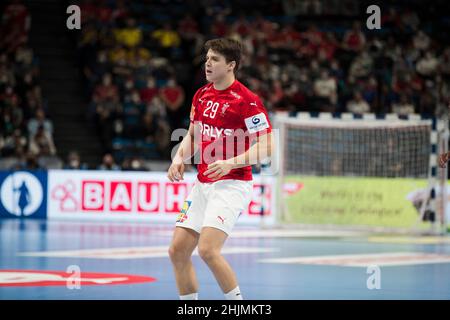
384,202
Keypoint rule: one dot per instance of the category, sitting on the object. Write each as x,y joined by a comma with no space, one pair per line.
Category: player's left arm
256,154
258,126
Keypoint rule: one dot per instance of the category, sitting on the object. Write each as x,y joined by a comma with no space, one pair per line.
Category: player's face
216,67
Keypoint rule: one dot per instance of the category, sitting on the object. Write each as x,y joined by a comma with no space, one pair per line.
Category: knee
177,254
207,253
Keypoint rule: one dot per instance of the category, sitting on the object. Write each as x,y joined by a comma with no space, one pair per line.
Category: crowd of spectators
25,132
143,62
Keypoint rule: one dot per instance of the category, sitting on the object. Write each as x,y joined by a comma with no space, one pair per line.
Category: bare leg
209,247
183,244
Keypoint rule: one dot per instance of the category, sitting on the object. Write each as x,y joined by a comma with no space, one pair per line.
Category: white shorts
216,204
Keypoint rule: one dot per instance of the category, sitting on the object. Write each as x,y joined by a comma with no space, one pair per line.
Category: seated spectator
14,145
241,26
325,88
361,65
130,36
132,112
188,27
38,121
15,26
41,144
106,92
149,91
74,163
120,12
108,163
354,40
219,27
358,105
427,65
172,95
277,94
133,164
167,37
148,127
421,41
29,162
403,107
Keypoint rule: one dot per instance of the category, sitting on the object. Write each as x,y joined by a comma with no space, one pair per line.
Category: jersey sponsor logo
214,132
257,123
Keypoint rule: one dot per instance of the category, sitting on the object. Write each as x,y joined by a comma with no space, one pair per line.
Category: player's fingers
211,170
217,173
213,165
173,174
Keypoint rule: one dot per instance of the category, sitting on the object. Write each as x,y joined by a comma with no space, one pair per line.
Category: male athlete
223,111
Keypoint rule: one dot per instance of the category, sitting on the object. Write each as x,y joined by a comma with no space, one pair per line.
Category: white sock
234,294
191,296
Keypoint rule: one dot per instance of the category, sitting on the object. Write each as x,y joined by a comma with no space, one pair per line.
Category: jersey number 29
213,106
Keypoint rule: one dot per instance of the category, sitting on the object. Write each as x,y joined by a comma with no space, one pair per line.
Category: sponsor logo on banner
133,195
23,194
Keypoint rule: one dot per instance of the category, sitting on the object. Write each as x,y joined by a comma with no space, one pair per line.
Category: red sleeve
255,117
194,107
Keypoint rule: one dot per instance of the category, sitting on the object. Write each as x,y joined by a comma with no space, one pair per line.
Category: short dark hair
231,49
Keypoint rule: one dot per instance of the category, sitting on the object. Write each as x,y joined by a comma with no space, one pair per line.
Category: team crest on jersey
224,108
183,214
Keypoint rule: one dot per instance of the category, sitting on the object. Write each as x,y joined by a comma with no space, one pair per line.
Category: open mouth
208,71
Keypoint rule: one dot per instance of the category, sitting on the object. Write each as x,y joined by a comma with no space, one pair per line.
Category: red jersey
227,121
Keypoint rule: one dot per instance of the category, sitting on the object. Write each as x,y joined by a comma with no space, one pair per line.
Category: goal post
372,171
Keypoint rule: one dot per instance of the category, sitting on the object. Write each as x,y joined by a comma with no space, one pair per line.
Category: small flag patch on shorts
183,214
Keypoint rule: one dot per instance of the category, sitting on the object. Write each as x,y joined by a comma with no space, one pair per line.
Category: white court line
280,233
131,252
365,260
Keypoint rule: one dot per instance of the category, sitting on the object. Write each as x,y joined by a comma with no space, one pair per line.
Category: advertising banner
137,196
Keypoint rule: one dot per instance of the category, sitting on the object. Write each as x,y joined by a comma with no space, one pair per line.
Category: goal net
376,173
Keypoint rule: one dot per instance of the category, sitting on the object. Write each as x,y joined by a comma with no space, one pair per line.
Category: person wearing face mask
172,95
74,163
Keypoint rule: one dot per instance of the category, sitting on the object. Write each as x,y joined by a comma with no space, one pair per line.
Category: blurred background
86,118
109,95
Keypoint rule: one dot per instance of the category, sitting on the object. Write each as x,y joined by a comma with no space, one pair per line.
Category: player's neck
224,83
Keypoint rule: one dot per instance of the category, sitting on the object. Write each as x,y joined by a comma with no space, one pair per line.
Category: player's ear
231,65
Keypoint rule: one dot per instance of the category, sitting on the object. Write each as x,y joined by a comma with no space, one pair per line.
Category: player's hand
218,169
176,171
443,159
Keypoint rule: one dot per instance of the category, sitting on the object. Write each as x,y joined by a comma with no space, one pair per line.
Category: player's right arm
184,153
